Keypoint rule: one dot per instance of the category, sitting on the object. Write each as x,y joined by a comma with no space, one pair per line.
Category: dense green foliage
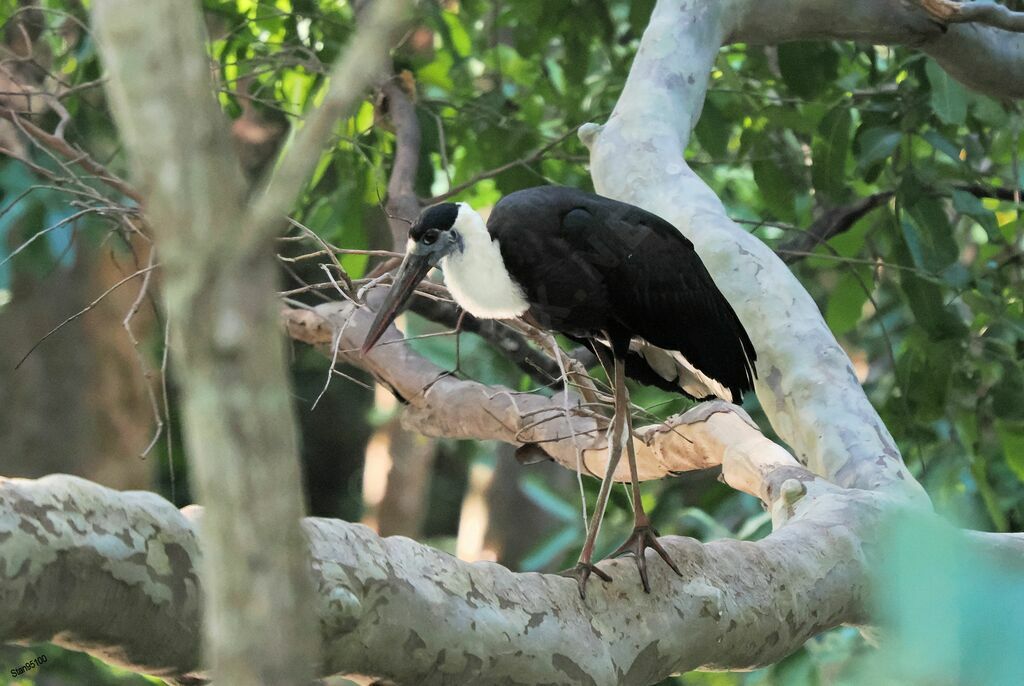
925,291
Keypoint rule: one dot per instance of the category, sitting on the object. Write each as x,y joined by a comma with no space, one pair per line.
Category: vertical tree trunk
219,287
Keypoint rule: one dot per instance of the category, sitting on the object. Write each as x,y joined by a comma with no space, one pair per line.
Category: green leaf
777,171
876,144
460,39
929,235
948,98
989,111
968,204
942,144
808,67
925,368
926,302
1007,395
830,151
713,129
929,308
1011,436
847,300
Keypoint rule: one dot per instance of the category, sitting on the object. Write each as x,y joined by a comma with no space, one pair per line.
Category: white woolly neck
476,276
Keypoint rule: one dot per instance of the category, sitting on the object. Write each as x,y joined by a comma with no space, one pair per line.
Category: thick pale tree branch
984,58
114,574
570,433
228,355
442,405
220,279
986,13
806,383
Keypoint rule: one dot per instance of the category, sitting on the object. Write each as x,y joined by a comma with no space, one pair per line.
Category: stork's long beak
414,268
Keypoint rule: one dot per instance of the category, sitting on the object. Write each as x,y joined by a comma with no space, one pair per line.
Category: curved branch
114,574
985,13
806,382
403,204
984,58
441,405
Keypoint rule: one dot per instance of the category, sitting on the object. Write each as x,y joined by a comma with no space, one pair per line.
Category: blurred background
889,188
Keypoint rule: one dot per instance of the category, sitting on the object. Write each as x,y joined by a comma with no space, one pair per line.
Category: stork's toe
581,572
642,538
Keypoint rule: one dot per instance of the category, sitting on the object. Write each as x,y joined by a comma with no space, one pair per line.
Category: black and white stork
594,269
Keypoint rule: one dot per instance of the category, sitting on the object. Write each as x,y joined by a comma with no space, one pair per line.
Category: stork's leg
644,535
585,567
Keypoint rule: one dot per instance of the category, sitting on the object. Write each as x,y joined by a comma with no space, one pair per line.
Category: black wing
647,276
663,293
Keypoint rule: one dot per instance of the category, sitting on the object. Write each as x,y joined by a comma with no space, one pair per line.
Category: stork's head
436,234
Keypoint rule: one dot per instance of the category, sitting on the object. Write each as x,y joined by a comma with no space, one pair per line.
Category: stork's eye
430,236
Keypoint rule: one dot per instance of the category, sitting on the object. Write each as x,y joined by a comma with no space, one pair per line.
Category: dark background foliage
887,185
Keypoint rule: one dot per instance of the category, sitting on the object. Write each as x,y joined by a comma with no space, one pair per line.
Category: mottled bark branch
219,293
442,405
114,574
986,13
984,58
806,382
219,283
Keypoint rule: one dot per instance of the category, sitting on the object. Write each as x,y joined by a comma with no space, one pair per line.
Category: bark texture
400,611
72,550
220,280
806,382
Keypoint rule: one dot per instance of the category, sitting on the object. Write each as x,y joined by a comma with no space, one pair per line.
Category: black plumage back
591,265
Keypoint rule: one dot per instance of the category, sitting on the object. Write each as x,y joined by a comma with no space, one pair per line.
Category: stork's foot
581,572
642,538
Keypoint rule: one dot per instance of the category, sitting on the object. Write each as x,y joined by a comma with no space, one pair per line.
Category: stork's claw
644,537
581,572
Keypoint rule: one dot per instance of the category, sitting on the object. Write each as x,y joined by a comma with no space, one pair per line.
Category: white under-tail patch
476,276
671,365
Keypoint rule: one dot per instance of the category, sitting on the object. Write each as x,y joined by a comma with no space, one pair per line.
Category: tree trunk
226,343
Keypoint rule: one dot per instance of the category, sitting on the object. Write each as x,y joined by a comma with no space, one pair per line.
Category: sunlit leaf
948,97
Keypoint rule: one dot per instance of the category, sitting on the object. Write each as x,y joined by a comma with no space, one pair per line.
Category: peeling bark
114,573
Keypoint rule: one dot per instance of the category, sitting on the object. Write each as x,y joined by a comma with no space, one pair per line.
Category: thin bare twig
72,154
147,373
524,161
82,311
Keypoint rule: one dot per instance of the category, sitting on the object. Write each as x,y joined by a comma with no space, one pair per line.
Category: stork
610,274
